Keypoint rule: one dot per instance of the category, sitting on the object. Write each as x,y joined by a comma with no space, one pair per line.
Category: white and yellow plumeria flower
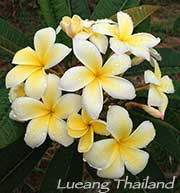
122,38
47,116
94,77
83,127
33,63
110,156
76,27
158,86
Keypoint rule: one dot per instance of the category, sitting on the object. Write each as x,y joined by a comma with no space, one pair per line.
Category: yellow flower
84,127
158,86
111,156
76,27
122,38
33,63
16,92
94,77
47,116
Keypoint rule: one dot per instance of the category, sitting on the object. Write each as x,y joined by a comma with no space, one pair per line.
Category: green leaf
54,10
2,78
176,26
17,161
61,8
11,39
5,56
139,14
106,9
176,95
10,130
155,174
170,64
165,133
145,26
48,12
172,115
80,8
66,166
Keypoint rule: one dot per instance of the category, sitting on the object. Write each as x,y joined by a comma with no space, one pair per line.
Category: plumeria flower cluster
95,86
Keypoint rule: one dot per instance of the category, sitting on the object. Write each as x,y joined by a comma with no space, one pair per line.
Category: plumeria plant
75,86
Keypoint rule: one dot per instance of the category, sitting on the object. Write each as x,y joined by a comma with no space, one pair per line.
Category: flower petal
125,24
164,104
81,36
150,77
77,133
140,51
55,55
18,74
142,136
16,92
67,105
100,41
26,56
119,123
104,28
166,85
118,88
93,99
134,159
99,127
13,116
85,116
43,40
58,132
36,132
88,54
86,141
76,78
118,46
102,154
36,84
116,64
52,92
157,70
114,171
27,108
75,122
154,96
143,40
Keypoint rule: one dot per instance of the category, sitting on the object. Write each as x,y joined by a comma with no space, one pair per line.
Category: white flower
122,38
33,63
77,28
93,77
47,116
158,86
111,156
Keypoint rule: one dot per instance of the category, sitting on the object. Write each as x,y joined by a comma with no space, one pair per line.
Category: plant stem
146,87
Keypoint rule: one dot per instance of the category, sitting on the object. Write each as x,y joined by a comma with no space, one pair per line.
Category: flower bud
137,61
148,109
153,111
155,54
72,26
